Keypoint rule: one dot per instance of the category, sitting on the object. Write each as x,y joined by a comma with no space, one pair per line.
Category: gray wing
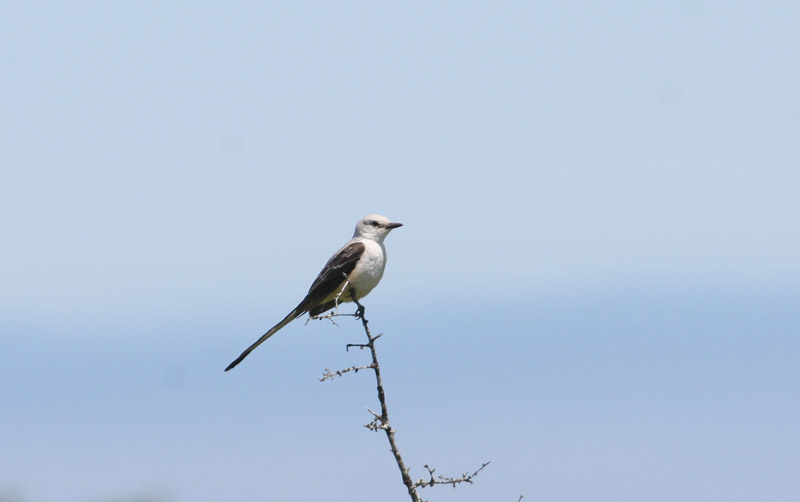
333,273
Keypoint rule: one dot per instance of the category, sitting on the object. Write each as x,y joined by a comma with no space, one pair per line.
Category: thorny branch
380,421
329,375
444,480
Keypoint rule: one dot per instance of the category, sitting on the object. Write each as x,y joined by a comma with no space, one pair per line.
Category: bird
349,275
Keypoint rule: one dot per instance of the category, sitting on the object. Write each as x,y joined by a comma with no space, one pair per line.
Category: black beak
393,225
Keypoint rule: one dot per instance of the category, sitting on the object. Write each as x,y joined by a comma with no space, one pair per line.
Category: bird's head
375,227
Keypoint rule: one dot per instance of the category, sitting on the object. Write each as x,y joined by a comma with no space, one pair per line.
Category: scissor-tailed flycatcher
353,271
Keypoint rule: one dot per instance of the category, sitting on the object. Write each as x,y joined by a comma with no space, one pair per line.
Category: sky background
596,287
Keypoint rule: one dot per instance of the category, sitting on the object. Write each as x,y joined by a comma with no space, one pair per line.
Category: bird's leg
360,312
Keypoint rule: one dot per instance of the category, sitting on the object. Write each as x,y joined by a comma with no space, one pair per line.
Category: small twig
376,423
330,315
444,480
361,345
329,375
373,413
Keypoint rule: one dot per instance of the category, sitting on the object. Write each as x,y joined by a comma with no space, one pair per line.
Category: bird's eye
372,223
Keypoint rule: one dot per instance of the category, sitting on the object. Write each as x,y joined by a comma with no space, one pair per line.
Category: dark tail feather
294,314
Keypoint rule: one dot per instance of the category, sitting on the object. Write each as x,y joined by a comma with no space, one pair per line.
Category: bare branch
380,421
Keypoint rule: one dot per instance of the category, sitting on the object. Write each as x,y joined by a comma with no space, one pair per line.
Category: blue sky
609,193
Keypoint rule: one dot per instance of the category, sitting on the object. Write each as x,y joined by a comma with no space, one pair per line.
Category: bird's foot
359,312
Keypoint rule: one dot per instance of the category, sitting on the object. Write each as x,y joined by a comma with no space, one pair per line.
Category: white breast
369,270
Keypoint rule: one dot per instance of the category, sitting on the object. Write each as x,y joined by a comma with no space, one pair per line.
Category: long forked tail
294,314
